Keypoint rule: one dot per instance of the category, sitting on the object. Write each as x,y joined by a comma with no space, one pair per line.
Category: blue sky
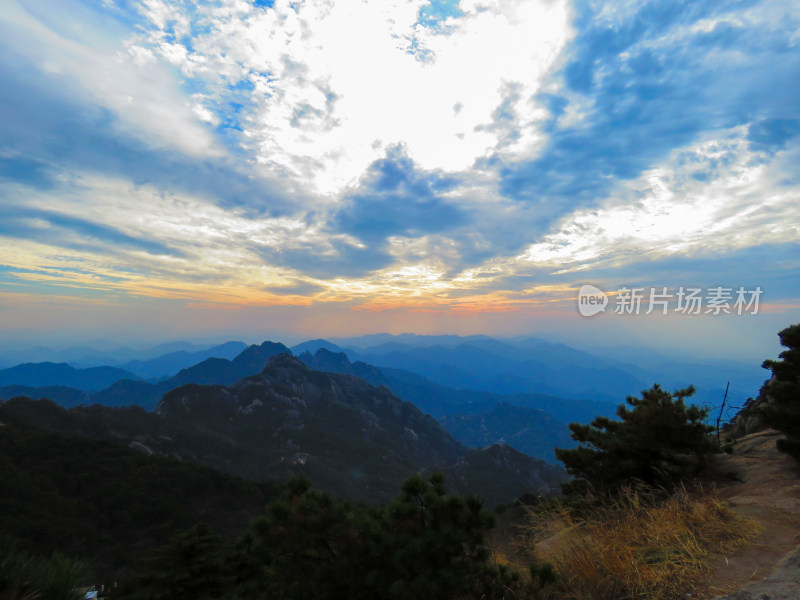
333,168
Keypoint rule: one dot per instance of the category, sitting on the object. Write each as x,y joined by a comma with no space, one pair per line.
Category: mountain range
476,419
533,365
521,365
348,436
531,431
61,374
169,364
66,385
477,366
430,397
100,353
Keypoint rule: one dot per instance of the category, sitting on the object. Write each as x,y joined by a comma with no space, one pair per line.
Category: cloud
647,78
480,155
320,106
71,231
145,99
49,132
394,198
28,170
714,197
157,243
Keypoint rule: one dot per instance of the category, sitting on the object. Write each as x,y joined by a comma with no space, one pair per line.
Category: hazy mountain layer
169,364
476,419
345,434
132,391
61,374
533,365
531,431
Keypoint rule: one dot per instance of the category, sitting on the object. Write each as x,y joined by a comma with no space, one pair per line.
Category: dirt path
766,488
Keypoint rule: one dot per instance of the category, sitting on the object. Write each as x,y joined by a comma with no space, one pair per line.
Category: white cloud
213,245
338,82
141,93
325,88
716,196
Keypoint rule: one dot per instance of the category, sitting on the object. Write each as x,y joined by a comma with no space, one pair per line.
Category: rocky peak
747,420
258,354
198,400
337,362
284,364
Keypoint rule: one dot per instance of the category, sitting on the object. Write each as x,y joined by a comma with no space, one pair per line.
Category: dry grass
633,545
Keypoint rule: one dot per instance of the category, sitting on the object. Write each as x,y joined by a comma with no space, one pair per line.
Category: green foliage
27,577
658,441
425,544
87,497
303,546
783,412
435,544
311,545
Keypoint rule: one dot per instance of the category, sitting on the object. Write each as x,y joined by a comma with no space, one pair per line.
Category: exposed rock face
747,420
340,422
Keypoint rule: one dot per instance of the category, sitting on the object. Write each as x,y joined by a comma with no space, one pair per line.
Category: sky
181,169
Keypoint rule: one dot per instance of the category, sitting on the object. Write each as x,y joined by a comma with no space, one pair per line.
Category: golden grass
633,545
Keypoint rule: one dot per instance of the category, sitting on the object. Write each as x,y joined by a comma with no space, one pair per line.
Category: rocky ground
763,484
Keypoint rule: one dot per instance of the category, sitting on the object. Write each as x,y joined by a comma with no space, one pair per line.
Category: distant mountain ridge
476,419
476,367
62,374
440,401
479,364
131,390
533,365
89,356
531,431
169,364
482,369
437,399
222,371
348,436
337,362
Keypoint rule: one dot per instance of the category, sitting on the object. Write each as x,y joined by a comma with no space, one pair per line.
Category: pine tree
426,544
783,412
657,441
303,546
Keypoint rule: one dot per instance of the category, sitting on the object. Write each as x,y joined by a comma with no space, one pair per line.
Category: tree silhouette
783,411
658,440
426,544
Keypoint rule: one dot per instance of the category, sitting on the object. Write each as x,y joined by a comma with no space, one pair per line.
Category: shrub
657,441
